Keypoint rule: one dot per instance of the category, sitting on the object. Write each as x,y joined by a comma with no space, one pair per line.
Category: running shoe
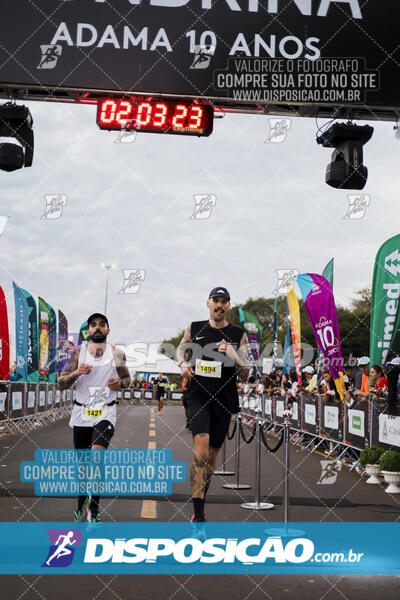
93,521
80,515
199,529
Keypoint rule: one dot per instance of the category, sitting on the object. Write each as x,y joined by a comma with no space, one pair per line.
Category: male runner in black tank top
219,354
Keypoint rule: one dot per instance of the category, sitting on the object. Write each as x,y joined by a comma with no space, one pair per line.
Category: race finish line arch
328,58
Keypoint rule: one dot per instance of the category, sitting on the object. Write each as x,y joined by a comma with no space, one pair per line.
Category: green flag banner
328,272
44,340
33,339
385,312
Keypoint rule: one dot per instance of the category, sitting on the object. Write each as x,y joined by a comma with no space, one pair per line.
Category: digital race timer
155,116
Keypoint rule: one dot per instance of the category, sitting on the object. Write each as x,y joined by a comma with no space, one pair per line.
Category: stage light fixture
16,122
346,170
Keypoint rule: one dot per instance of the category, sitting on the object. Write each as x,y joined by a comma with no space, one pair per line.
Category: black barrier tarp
3,401
296,411
137,395
356,424
309,414
42,397
50,396
279,407
31,398
268,407
16,400
331,419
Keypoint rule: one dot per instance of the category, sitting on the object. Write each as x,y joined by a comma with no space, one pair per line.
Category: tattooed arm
122,369
68,378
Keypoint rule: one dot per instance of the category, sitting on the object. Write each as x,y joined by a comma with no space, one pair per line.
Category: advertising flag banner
385,311
53,345
286,349
44,340
3,223
328,272
21,333
294,313
321,310
275,336
253,329
4,339
83,333
33,339
62,346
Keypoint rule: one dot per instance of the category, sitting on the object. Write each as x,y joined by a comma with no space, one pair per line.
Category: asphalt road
348,499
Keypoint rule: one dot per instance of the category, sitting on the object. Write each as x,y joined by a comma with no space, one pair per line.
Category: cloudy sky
130,204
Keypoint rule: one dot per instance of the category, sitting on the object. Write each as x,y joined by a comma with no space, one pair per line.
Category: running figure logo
98,394
357,206
55,204
329,473
285,276
203,205
132,280
128,133
62,547
278,129
202,56
50,56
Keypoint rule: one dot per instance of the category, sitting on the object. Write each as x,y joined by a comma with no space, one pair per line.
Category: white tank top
92,390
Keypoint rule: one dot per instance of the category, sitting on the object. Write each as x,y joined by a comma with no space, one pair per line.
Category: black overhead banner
324,52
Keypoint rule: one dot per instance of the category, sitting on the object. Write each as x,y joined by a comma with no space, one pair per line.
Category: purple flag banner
321,310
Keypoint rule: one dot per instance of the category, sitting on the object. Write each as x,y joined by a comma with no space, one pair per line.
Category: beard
99,337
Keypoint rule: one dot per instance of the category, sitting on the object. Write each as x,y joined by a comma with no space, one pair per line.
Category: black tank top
215,378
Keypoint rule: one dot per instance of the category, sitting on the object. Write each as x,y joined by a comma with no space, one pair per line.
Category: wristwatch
180,362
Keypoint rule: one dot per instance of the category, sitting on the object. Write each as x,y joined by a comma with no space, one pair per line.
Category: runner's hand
186,370
114,384
83,369
227,349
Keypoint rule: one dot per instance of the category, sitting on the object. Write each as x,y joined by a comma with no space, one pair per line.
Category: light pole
107,268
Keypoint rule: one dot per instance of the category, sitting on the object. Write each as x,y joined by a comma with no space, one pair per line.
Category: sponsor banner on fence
171,548
389,430
309,414
355,420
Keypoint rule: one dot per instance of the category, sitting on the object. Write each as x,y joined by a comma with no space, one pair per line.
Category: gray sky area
130,203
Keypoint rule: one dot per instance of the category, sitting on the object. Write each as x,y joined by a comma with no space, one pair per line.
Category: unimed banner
385,311
4,339
307,52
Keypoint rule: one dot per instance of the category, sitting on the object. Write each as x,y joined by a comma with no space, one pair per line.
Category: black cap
219,291
97,316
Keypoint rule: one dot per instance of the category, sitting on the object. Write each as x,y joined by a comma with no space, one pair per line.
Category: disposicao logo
191,550
62,547
356,422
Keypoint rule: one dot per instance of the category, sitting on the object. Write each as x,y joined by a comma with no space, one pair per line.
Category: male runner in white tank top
99,370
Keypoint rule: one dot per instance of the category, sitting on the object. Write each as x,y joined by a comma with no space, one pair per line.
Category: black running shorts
99,435
212,418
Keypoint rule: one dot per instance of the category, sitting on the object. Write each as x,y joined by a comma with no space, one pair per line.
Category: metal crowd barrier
313,421
26,406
